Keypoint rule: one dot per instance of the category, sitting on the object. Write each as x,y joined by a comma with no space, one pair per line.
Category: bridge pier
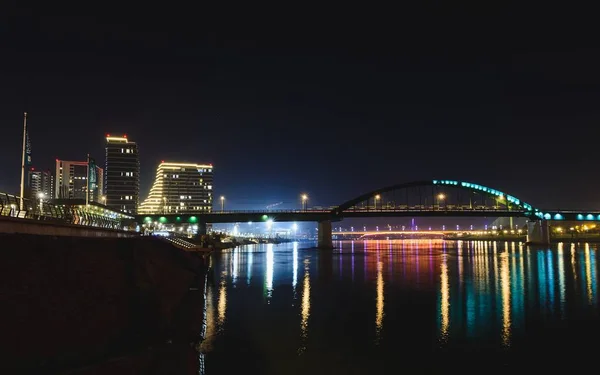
538,232
325,235
201,228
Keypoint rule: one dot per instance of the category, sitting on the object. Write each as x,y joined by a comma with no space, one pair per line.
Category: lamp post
304,201
377,197
41,197
440,197
222,203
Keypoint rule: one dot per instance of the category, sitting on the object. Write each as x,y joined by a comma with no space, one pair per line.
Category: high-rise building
39,182
180,188
122,177
72,182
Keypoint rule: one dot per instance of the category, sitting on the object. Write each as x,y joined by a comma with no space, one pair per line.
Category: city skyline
331,114
290,200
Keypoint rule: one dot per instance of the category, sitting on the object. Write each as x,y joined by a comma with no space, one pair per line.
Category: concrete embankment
75,302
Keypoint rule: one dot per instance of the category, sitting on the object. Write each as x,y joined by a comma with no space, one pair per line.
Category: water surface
384,306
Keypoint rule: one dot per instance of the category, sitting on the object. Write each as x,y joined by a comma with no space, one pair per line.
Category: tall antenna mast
87,189
21,203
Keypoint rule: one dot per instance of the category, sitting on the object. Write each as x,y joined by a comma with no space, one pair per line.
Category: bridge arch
513,201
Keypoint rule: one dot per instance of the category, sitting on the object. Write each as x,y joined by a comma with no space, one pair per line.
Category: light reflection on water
474,294
445,299
380,297
305,312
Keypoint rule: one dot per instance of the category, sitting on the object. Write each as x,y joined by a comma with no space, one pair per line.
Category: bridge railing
35,209
10,205
421,208
269,211
570,211
416,208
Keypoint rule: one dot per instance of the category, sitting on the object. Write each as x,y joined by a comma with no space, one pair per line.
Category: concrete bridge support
324,236
538,232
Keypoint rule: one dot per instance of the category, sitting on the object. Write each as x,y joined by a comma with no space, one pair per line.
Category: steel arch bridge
446,198
449,198
436,197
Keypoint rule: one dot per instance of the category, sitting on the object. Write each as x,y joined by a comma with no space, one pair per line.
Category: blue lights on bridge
485,189
557,216
587,217
445,182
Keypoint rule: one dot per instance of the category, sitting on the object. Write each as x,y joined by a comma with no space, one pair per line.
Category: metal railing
308,210
421,208
178,242
10,206
233,212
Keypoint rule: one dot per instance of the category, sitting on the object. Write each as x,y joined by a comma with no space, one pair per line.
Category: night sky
333,107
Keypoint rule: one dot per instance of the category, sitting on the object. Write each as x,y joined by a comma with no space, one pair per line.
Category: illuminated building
122,178
180,188
39,182
72,182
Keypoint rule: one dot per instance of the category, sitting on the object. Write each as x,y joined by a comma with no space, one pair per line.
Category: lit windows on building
122,174
180,188
40,183
72,182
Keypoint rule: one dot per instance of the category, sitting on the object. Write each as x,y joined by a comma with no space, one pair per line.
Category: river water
387,306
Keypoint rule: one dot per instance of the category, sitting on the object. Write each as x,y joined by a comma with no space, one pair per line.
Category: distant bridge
401,232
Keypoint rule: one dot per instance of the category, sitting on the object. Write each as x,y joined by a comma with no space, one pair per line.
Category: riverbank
217,244
75,302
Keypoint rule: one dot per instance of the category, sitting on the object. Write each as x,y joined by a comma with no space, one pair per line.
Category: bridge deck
321,215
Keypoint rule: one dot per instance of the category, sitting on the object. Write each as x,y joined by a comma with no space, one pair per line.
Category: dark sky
333,105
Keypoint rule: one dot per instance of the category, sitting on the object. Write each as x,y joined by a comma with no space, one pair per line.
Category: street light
103,200
440,197
377,197
304,201
222,203
41,196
